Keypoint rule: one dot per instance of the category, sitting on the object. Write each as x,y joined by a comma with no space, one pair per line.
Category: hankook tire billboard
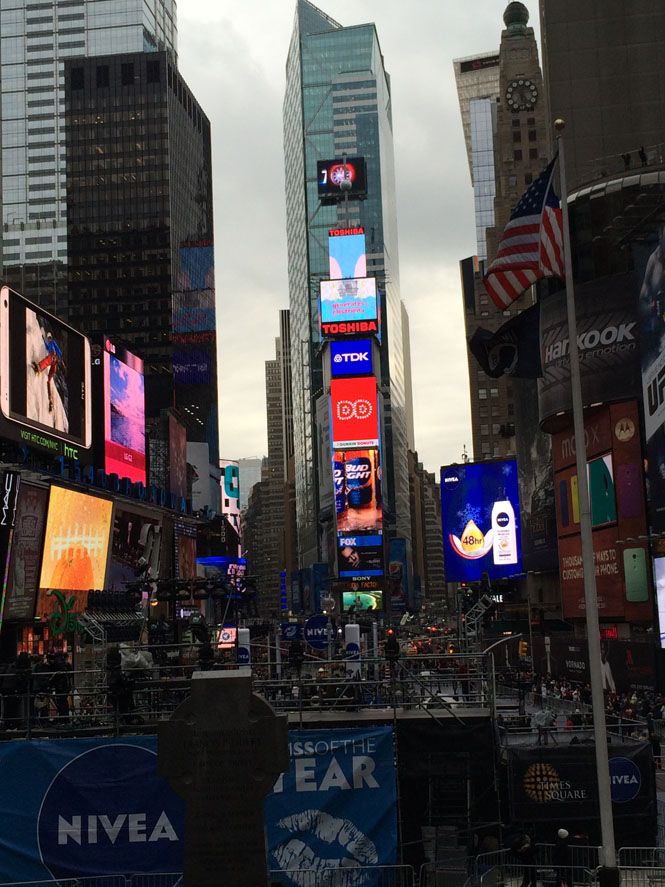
607,335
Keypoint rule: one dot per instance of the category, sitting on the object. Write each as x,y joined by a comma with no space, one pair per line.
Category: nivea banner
86,807
337,805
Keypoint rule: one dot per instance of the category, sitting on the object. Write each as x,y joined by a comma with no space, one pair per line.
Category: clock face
521,95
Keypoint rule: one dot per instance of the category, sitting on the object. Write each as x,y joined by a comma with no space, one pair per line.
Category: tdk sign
352,358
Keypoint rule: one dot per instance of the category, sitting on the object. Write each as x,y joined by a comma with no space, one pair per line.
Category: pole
611,873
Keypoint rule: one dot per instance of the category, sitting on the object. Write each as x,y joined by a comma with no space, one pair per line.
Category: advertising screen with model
45,371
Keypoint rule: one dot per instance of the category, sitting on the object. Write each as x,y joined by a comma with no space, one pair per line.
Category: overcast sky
233,55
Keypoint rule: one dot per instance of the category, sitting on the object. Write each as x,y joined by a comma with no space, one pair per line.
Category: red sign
355,414
349,328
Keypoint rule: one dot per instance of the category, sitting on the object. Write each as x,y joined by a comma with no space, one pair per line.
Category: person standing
525,852
62,685
562,859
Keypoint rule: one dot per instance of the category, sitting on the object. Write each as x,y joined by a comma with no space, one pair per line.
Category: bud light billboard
480,514
352,358
346,253
357,481
355,415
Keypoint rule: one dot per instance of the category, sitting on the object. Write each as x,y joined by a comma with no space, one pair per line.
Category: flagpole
609,874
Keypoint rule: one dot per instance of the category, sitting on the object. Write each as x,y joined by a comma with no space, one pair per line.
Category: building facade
139,226
36,39
518,153
604,75
426,533
337,101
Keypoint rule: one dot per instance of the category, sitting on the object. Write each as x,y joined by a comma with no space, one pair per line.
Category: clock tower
521,147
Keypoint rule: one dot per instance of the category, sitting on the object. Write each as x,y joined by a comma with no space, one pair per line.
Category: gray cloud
233,57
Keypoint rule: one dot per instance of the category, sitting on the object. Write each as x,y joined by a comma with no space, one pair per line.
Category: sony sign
352,358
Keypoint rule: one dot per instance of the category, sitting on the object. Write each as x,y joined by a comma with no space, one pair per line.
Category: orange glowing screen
75,546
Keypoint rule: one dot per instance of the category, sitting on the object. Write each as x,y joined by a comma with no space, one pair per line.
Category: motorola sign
351,358
316,631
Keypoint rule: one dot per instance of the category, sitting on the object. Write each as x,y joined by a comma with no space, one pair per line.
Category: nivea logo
108,810
625,780
502,519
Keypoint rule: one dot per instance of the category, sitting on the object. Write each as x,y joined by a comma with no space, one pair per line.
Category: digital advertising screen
230,483
26,552
76,542
480,515
357,482
362,600
352,358
44,377
355,414
347,300
135,542
124,414
185,557
359,555
331,174
346,253
659,579
177,458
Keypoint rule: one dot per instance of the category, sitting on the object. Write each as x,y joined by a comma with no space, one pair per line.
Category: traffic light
523,649
391,648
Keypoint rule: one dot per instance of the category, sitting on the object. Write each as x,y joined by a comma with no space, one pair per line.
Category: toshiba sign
355,415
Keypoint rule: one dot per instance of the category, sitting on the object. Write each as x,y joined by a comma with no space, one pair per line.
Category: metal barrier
96,881
113,702
163,880
434,874
513,873
346,876
641,857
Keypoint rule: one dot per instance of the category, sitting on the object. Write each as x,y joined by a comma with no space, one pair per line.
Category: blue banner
337,805
85,807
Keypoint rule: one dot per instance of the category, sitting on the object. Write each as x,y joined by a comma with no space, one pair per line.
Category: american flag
531,246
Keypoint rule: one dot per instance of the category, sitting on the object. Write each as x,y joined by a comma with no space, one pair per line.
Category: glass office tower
36,38
338,100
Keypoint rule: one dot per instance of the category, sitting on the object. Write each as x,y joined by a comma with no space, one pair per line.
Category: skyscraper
603,66
36,38
507,148
338,101
139,226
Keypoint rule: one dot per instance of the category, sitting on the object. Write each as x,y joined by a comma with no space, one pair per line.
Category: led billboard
135,544
124,414
177,457
346,253
332,174
355,415
230,482
357,482
480,515
346,329
362,600
359,555
351,299
352,358
44,378
26,553
76,544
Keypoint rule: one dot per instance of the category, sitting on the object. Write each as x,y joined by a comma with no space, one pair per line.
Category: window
494,392
127,74
532,135
76,78
485,449
533,153
102,76
516,123
153,74
484,430
482,394
517,155
517,135
482,412
495,428
530,121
